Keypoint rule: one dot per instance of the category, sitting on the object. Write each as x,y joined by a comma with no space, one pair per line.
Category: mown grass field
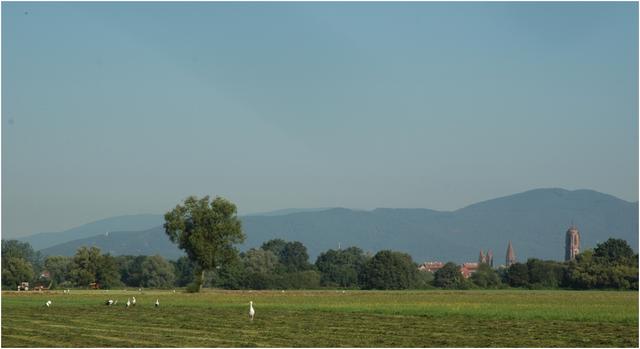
322,319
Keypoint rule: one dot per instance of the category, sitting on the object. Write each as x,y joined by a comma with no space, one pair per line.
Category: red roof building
431,267
468,268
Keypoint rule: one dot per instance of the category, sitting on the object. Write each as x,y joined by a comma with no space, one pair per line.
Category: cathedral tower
511,257
572,243
490,258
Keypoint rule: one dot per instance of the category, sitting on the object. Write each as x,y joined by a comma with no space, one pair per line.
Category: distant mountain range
147,242
286,211
119,223
535,221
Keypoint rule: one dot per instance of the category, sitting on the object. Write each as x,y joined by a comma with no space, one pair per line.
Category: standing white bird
133,302
157,303
109,302
48,304
128,303
252,312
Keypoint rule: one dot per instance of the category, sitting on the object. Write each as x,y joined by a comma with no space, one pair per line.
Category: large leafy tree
518,275
485,276
18,249
611,264
19,262
545,274
294,257
260,268
206,230
107,274
15,270
229,275
260,261
58,267
341,267
449,276
85,265
157,272
613,251
390,270
130,268
276,246
89,265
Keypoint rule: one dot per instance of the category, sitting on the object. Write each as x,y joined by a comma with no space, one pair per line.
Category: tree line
208,230
279,264
610,265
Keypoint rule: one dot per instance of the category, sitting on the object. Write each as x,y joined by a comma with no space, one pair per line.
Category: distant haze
127,108
535,221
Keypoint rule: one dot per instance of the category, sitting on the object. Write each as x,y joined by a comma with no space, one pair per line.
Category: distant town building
431,267
572,243
467,269
486,258
511,256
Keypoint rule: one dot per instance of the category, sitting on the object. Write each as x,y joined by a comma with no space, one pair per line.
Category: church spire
490,258
511,257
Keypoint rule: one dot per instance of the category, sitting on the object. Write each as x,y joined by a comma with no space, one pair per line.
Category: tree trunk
201,280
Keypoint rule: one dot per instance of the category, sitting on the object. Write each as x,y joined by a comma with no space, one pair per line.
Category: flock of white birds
132,302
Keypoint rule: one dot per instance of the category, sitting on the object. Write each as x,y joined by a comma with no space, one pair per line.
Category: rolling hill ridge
535,221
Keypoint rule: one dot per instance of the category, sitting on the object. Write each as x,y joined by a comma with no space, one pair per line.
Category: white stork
128,303
157,303
133,302
252,312
48,304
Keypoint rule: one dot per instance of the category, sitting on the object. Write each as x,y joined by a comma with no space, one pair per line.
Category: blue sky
125,108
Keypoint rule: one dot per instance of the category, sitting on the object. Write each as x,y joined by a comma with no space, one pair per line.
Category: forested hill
535,221
119,223
147,242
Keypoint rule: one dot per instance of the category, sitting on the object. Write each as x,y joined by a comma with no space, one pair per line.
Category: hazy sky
125,108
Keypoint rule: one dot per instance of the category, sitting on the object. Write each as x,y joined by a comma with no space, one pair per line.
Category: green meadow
216,318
